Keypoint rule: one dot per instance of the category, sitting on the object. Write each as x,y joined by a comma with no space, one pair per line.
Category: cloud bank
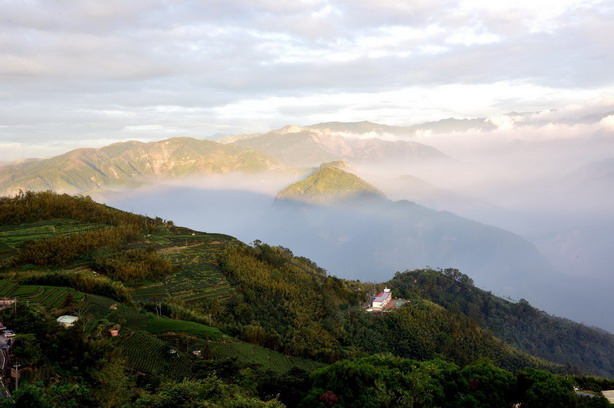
92,71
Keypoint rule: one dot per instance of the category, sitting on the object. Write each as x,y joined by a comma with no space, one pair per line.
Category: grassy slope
328,183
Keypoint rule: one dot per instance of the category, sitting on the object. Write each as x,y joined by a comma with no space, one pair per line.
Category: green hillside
527,328
205,320
131,164
328,183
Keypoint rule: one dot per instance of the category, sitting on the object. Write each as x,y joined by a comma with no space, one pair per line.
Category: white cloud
110,113
534,16
471,36
143,128
608,122
409,105
69,69
502,122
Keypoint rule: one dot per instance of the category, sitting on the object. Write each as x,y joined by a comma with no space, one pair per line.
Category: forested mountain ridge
170,291
131,164
518,323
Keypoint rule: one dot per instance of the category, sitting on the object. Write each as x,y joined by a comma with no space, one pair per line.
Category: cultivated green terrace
171,317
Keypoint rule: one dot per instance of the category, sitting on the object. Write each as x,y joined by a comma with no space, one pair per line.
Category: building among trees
381,300
67,320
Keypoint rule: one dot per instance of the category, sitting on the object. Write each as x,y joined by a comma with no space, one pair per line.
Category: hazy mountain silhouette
308,146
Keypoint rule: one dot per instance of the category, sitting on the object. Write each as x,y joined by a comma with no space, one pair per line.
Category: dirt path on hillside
178,248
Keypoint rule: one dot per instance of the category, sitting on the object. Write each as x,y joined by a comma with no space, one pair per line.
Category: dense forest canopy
518,323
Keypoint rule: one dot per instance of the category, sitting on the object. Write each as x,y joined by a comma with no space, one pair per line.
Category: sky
86,73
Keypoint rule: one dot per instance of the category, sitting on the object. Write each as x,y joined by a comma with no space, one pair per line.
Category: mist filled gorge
525,211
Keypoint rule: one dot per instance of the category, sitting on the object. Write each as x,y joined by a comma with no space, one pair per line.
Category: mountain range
309,146
131,164
134,163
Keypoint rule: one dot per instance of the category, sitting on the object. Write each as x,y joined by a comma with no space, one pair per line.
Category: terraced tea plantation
48,296
198,280
270,359
130,318
149,354
99,306
190,238
15,235
160,325
104,308
12,237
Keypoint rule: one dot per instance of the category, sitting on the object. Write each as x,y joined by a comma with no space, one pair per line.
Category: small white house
67,320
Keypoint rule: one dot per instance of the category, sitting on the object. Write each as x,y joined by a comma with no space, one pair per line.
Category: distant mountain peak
329,184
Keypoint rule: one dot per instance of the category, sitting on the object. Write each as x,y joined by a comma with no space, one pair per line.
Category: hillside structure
67,321
381,300
6,301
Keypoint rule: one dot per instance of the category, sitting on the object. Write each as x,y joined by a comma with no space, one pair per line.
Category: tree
487,385
113,382
382,381
540,389
27,350
208,392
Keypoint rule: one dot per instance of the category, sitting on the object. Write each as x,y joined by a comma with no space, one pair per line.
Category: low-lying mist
548,182
526,210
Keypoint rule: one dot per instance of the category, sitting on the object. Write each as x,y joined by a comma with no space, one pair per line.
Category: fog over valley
525,209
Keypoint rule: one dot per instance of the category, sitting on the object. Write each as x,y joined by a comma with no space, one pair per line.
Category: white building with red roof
381,300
